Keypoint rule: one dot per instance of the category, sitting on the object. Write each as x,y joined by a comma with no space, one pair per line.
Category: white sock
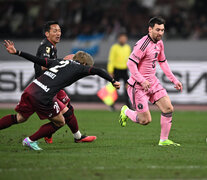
29,139
125,111
162,140
77,135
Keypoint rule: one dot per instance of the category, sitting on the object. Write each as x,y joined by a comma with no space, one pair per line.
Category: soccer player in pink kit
144,86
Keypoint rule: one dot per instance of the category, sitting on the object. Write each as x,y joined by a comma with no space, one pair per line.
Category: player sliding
144,85
40,95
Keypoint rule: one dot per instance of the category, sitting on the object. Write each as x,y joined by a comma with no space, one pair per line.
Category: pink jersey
145,54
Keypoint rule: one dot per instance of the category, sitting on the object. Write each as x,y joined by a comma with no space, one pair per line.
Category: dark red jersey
45,50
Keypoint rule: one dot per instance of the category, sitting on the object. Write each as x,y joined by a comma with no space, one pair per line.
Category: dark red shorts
28,105
63,97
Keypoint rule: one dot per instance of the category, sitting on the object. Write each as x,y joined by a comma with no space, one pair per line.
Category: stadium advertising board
15,76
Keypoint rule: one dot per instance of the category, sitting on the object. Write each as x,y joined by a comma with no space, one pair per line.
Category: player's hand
68,57
146,85
179,86
116,84
10,46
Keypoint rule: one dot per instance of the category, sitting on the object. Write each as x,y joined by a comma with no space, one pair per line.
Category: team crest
140,106
48,50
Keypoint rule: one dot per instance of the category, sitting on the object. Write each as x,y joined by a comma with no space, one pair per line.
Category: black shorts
121,74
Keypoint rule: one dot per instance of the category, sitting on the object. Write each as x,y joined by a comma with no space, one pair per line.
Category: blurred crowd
186,19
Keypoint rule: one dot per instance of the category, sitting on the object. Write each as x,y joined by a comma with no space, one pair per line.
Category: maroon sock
72,123
44,131
70,119
7,121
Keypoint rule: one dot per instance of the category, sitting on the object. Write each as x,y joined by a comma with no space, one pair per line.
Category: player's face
157,32
54,34
123,39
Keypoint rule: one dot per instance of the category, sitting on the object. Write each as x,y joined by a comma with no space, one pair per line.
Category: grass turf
118,153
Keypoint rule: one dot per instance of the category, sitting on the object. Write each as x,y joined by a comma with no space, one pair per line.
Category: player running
47,49
40,95
144,86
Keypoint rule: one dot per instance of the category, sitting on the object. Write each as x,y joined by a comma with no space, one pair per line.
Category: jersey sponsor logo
50,74
44,87
48,50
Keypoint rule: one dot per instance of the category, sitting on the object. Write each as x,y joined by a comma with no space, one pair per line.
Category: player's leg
64,99
70,118
164,104
45,130
71,121
24,110
140,103
11,119
44,112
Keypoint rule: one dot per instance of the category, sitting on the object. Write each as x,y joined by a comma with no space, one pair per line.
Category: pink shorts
139,98
28,105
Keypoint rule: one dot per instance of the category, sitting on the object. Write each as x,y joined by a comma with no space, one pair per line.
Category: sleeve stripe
145,44
133,60
163,60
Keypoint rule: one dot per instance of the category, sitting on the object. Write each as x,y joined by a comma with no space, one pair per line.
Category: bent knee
168,109
61,123
145,121
20,118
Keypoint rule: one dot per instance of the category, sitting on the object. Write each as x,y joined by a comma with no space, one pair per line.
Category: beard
157,38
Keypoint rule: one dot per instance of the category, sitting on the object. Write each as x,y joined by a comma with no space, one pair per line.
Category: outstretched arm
102,73
12,50
166,69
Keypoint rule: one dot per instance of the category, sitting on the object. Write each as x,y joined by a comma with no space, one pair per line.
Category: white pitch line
177,167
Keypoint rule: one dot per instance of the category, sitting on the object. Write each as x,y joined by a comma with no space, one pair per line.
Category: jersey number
153,63
55,69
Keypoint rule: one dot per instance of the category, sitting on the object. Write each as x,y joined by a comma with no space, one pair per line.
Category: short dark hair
156,20
47,25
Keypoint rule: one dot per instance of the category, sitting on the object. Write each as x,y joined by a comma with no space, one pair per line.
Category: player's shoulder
143,43
45,43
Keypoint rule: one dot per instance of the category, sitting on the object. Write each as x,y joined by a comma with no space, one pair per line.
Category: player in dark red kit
47,49
40,95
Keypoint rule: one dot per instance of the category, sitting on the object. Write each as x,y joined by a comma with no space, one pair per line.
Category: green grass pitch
118,153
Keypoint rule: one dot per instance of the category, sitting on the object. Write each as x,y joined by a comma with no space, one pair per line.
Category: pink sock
166,122
132,115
